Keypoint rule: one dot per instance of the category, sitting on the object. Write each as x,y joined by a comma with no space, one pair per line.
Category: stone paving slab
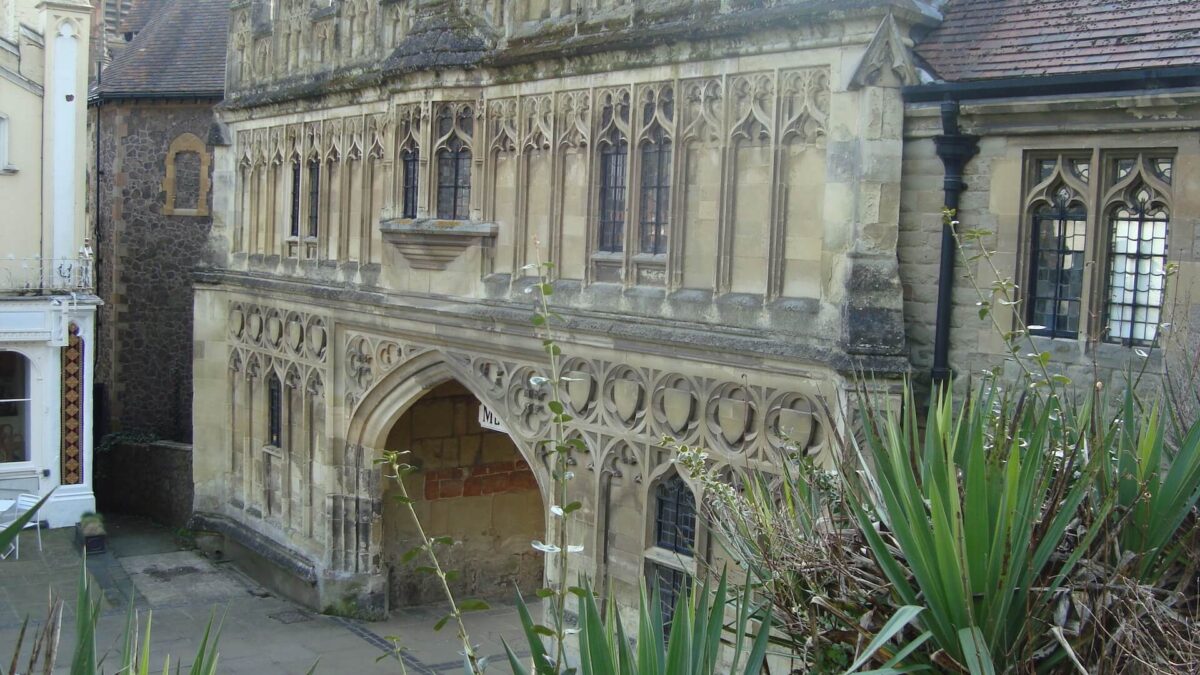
262,634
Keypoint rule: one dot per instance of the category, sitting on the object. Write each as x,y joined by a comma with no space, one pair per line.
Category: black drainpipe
955,149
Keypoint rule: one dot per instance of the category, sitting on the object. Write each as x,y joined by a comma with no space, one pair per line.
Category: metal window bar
655,194
274,412
613,157
410,160
1137,273
1056,275
454,181
314,198
295,215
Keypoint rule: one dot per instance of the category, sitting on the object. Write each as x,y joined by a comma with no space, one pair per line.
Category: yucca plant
998,515
698,630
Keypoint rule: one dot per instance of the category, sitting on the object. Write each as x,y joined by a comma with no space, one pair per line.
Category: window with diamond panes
1056,285
410,161
1137,269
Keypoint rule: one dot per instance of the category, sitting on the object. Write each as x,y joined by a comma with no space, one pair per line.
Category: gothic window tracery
658,112
1123,235
613,159
455,125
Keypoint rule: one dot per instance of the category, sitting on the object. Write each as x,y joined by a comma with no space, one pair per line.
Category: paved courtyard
263,634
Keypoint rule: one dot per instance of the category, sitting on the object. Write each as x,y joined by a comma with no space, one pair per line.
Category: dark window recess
1137,271
274,412
295,216
314,198
656,192
454,181
671,584
613,156
675,516
410,160
1056,274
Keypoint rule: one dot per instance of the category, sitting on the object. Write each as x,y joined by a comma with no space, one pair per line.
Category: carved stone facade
716,186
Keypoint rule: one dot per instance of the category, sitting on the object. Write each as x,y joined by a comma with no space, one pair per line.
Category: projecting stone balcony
45,276
430,244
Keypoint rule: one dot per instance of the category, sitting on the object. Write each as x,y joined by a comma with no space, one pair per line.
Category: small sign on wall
489,420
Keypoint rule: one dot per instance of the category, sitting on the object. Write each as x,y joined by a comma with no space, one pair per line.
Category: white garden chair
23,504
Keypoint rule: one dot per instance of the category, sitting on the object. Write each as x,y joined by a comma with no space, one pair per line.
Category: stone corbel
430,244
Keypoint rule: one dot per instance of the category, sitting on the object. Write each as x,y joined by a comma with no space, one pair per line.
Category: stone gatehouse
717,188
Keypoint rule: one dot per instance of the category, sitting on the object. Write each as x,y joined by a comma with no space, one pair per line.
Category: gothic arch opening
473,485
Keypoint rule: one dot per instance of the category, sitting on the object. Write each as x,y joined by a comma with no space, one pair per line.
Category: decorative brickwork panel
72,409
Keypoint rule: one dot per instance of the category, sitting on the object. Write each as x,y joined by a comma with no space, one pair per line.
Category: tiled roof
134,19
179,53
989,39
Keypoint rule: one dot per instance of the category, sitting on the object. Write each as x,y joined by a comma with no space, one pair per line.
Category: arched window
294,230
673,547
14,407
614,156
1137,269
187,183
655,166
274,411
1056,274
455,125
314,198
410,160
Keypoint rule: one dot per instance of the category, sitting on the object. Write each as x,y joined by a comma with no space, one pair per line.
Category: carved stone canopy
430,244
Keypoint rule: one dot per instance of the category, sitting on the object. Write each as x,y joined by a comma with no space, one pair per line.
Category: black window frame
1059,216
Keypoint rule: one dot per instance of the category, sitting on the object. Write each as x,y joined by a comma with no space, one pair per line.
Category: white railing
38,276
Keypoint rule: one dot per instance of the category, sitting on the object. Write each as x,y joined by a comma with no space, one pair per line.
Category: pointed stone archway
473,484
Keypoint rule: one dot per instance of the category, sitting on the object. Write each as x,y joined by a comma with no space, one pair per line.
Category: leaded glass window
410,160
295,214
274,412
454,163
613,157
1056,284
675,516
314,197
655,192
675,533
1137,270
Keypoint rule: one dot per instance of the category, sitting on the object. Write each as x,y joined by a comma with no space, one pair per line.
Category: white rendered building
47,294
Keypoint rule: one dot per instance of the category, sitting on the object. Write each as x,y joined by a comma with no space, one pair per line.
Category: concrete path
262,634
